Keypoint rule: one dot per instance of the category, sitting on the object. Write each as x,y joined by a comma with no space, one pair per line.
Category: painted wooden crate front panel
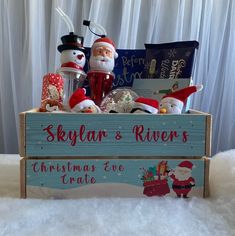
115,135
63,178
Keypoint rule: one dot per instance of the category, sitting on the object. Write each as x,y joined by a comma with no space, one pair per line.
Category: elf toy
173,103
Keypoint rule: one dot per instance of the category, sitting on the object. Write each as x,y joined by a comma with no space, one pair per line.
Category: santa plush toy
173,103
145,105
72,54
182,179
80,103
103,54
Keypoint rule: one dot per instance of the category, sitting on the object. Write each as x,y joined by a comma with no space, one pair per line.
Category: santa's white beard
101,63
180,176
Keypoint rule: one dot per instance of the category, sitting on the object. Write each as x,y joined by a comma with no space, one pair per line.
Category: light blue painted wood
189,134
74,173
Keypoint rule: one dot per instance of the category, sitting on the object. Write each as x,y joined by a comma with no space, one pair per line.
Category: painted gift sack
155,180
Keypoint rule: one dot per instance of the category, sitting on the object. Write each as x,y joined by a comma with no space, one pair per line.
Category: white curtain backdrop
30,31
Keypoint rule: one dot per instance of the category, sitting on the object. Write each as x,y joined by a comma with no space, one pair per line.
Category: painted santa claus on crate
183,182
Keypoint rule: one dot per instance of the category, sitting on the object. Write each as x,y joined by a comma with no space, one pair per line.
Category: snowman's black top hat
71,42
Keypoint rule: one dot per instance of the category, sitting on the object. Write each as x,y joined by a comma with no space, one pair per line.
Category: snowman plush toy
173,103
72,54
80,103
145,105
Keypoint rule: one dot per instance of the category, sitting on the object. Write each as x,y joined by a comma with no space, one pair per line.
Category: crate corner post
23,178
22,136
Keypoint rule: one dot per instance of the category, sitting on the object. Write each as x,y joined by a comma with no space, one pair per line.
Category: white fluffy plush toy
173,103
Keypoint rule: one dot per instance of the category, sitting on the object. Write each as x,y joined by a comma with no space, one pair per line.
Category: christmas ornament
72,60
145,105
80,103
101,62
173,103
52,93
119,100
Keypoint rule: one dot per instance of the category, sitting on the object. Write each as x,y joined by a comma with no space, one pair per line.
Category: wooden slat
196,112
113,157
208,135
206,180
192,125
22,178
22,141
208,140
33,110
76,178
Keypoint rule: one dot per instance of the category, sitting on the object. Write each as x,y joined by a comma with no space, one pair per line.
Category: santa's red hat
79,100
147,104
184,93
107,42
186,164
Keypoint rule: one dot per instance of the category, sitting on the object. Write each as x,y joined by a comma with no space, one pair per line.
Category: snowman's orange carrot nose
163,110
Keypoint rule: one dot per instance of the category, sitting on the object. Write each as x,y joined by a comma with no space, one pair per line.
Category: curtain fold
31,31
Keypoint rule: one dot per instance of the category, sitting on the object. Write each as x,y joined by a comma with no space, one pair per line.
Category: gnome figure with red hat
145,105
80,103
182,179
173,103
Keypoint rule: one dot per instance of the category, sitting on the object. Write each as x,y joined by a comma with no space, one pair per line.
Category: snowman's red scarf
72,65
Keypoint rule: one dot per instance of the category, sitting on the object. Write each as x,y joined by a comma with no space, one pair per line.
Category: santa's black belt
182,187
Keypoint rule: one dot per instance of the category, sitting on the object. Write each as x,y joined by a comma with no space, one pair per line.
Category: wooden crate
139,135
59,178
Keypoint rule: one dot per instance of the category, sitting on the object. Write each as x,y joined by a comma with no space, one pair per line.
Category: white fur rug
115,216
